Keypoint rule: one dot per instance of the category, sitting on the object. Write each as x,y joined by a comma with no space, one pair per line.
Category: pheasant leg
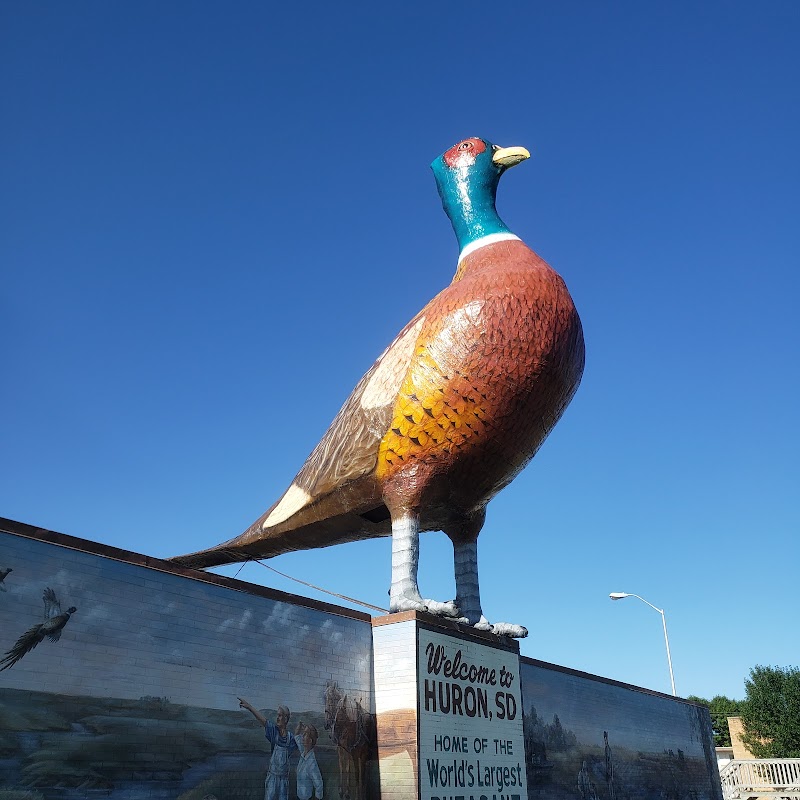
468,596
404,594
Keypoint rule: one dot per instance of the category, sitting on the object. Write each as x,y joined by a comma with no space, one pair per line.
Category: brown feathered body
446,417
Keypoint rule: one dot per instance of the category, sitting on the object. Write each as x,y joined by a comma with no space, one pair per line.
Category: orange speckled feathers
444,419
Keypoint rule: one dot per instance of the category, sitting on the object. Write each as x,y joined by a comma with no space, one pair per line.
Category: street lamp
622,596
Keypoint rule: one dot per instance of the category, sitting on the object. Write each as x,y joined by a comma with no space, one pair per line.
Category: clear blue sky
216,215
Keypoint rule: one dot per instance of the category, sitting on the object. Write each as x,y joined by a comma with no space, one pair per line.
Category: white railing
763,777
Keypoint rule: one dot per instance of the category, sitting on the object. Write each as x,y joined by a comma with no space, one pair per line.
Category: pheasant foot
448,609
509,629
482,624
498,628
401,602
415,602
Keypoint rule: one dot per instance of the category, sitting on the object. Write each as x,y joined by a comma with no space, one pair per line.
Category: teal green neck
468,197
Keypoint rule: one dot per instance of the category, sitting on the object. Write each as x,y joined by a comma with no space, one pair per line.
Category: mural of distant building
587,738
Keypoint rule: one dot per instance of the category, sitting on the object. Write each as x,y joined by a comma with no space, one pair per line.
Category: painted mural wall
591,739
122,678
118,681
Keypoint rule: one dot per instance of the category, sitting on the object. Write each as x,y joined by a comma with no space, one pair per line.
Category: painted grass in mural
58,747
562,765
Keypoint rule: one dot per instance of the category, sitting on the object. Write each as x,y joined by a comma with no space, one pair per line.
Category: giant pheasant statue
450,412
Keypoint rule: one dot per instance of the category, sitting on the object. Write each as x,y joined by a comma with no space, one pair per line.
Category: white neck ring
490,238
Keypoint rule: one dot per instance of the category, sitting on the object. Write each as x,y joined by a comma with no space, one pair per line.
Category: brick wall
142,687
395,647
740,749
139,696
607,741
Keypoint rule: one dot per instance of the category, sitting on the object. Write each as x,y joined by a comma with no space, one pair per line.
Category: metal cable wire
319,588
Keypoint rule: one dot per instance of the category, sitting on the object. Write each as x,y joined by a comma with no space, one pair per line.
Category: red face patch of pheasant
464,153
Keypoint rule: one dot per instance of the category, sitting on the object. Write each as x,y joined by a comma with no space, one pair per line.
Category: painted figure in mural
609,767
448,415
586,787
353,730
54,621
3,575
276,785
309,778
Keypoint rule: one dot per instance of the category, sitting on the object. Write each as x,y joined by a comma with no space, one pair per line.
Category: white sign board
471,744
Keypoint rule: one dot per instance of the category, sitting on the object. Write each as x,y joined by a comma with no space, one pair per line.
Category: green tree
720,708
771,712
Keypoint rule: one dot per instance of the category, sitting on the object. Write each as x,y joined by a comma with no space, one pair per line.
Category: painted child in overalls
276,785
309,778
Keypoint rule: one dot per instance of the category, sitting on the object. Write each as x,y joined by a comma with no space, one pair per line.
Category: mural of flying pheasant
448,415
54,621
3,575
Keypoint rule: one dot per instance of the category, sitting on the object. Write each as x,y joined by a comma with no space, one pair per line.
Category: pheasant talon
448,609
403,603
508,629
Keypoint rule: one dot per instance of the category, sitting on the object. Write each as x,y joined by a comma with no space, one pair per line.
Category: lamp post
622,596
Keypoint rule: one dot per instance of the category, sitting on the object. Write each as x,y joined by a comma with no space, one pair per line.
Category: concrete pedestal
449,711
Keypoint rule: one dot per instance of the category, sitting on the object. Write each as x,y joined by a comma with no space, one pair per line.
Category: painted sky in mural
587,707
144,616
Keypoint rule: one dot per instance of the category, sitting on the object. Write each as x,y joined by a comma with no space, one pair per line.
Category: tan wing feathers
349,448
